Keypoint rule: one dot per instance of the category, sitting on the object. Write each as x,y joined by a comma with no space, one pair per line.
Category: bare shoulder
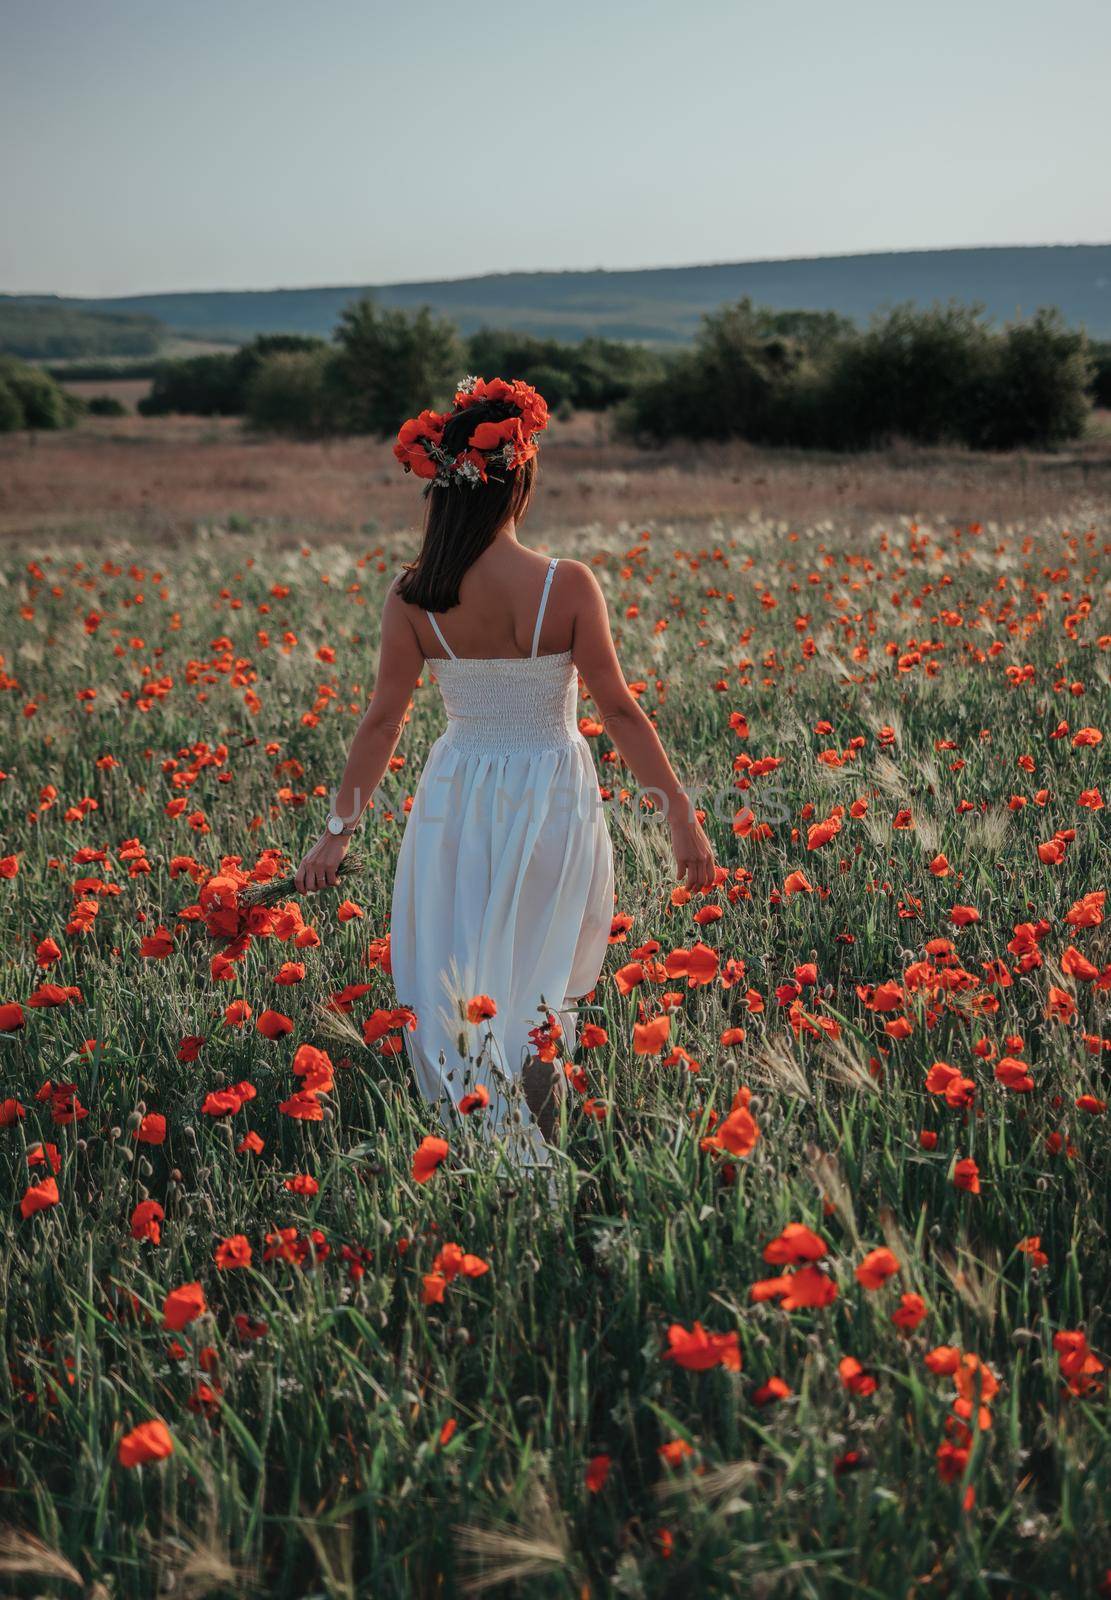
394,605
577,582
396,611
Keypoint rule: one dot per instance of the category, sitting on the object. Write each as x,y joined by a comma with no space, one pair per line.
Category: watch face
335,825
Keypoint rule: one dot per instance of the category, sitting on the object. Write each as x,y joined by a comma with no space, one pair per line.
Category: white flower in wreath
468,473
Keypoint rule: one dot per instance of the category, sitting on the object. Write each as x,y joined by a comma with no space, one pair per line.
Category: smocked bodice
507,704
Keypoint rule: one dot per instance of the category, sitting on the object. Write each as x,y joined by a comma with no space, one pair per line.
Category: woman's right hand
320,868
694,854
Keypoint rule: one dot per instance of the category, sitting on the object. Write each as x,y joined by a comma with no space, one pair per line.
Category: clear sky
152,145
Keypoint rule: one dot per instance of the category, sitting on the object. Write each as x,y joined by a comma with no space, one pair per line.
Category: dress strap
436,629
543,607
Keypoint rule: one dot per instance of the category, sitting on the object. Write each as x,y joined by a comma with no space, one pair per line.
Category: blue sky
255,143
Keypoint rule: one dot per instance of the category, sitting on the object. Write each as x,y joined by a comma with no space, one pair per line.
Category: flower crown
502,445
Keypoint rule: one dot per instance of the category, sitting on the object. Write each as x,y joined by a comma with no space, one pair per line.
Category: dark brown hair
460,521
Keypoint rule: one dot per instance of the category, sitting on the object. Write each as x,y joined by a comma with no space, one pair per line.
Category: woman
503,896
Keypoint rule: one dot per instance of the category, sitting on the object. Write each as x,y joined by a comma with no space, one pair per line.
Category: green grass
314,1465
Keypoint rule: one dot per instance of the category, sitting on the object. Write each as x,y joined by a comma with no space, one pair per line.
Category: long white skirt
504,888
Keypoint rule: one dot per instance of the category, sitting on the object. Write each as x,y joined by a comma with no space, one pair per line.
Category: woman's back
500,598
510,702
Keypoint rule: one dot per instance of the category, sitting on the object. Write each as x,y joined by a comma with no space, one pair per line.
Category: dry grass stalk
777,1067
976,1281
503,1553
830,1182
23,1552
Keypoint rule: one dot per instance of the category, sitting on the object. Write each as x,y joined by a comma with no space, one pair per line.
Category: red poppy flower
649,1038
182,1306
966,1175
854,1377
428,1156
157,945
303,1107
910,1311
794,1245
697,1351
877,1266
235,1251
434,1287
49,995
774,1389
39,1197
273,1025
807,1288
302,1183
150,1441
145,1220
964,916
1014,1075
1077,1363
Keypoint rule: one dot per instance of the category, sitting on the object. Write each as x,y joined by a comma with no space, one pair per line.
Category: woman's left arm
400,659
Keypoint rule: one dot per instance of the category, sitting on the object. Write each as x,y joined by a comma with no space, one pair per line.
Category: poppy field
814,1301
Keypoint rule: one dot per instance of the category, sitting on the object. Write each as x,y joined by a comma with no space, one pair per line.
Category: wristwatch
337,827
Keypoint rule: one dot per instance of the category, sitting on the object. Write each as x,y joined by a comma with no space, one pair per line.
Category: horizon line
552,272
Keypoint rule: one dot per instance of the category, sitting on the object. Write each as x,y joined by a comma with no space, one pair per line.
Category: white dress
504,882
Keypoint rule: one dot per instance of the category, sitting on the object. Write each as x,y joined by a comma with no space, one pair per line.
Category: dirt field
161,477
128,391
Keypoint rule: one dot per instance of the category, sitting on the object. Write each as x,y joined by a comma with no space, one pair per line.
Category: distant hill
663,305
57,329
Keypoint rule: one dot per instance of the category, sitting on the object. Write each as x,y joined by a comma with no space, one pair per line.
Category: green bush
105,405
11,411
592,375
935,376
606,371
556,384
200,386
668,407
290,393
505,353
1100,354
42,402
1039,394
926,376
734,382
389,365
250,358
216,385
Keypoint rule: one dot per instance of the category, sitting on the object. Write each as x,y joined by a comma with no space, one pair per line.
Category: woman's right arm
400,660
637,741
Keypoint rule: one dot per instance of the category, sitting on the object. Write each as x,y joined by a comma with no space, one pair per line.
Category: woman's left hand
320,868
